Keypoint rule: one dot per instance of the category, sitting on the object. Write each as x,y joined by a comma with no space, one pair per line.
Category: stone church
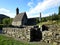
20,18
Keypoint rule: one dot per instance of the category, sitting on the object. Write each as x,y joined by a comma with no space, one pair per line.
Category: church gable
20,19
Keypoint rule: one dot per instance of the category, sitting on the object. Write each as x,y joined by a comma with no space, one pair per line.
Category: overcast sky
31,7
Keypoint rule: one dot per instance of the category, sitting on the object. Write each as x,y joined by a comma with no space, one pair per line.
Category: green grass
10,41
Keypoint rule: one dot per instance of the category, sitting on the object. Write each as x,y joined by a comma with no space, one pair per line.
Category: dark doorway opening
35,35
44,27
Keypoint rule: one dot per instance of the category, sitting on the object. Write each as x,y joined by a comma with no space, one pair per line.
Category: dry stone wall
18,33
52,35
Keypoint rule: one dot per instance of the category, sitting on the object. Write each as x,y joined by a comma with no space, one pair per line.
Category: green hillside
54,19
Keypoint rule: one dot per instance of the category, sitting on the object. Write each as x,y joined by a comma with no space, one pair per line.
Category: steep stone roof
19,17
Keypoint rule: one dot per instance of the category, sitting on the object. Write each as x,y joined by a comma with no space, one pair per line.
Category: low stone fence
28,33
52,35
18,33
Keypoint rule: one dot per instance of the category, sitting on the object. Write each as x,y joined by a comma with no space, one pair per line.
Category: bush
7,21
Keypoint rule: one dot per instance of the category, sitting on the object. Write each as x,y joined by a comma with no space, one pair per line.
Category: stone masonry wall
18,33
52,35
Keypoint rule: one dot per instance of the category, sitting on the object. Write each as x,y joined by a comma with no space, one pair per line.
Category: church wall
24,20
18,23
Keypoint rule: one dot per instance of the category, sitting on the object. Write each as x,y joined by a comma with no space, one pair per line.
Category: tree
44,19
7,21
59,10
37,20
55,16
